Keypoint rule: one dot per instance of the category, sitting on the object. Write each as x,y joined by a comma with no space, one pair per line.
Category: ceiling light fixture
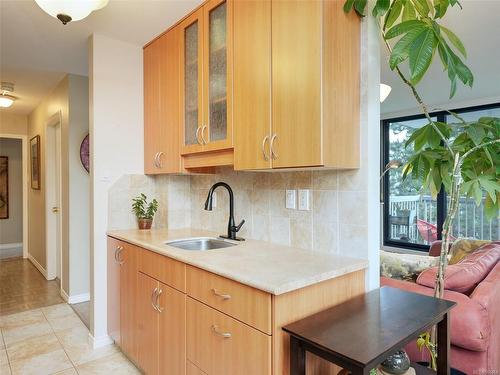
385,90
70,10
6,100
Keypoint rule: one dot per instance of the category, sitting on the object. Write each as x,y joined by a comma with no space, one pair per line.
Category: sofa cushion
463,247
404,266
464,276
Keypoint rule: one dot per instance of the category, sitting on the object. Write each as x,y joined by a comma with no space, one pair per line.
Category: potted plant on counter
144,211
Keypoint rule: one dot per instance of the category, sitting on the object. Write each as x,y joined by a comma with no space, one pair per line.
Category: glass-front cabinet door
192,83
217,129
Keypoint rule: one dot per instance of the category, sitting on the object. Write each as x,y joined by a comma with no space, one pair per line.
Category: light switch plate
304,199
291,200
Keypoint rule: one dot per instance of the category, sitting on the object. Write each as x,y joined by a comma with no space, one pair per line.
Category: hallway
23,287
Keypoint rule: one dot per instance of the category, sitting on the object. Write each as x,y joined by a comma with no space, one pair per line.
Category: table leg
297,357
443,346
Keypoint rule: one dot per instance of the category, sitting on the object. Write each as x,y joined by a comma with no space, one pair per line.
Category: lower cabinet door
114,246
220,345
172,330
127,258
147,325
193,370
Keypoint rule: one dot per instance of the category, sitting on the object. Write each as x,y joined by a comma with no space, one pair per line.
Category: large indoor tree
463,157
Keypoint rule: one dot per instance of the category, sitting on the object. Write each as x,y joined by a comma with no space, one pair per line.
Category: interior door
148,323
128,288
113,290
217,127
296,83
191,96
172,332
252,84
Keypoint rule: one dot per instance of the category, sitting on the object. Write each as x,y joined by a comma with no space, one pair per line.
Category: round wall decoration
84,153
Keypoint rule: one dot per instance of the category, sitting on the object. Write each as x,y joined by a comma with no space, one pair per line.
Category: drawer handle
222,295
215,330
118,253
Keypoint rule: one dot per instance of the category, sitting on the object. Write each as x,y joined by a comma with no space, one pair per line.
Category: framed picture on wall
35,162
4,187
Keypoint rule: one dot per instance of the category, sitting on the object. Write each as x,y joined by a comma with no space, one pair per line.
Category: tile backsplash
337,219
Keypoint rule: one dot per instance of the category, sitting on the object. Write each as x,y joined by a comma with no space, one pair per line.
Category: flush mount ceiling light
385,90
6,99
70,10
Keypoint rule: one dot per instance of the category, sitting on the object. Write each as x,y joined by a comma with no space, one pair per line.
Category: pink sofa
475,322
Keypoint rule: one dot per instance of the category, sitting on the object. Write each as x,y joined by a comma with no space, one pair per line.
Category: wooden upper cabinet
252,84
206,78
161,105
313,80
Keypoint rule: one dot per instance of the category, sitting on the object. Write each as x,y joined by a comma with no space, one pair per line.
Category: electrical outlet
291,200
304,199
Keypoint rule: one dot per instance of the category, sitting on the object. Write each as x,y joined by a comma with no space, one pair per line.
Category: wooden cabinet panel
193,370
243,350
148,325
128,288
161,105
252,84
296,82
172,331
244,303
164,269
113,290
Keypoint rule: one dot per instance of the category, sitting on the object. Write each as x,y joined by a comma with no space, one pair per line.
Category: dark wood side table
361,333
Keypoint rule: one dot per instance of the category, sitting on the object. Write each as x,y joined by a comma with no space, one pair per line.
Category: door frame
54,121
24,152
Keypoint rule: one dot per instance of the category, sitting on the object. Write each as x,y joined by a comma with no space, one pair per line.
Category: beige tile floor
53,340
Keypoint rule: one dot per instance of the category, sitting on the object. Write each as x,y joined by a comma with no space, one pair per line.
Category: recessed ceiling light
6,100
70,10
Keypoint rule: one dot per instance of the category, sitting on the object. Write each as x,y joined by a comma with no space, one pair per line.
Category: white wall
116,138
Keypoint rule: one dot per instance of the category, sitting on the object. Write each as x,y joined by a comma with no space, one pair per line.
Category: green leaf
401,49
359,7
476,192
422,7
476,134
393,14
455,40
348,5
381,7
440,6
404,27
408,12
492,209
421,53
492,187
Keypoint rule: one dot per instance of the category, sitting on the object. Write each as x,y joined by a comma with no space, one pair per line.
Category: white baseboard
38,265
99,342
11,250
64,296
78,298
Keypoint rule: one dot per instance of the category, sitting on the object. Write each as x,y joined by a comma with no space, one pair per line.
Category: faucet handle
238,227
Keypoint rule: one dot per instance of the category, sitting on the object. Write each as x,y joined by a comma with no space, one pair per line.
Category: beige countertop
263,265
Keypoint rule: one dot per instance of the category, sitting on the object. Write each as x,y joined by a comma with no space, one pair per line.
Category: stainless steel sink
201,243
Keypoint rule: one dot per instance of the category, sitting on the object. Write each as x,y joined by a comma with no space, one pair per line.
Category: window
411,218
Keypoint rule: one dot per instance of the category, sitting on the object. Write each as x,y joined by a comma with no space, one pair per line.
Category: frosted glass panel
218,74
191,83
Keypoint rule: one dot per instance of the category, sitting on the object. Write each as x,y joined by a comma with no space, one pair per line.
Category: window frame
384,183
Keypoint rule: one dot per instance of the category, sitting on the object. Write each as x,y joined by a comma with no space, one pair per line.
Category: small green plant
424,341
142,209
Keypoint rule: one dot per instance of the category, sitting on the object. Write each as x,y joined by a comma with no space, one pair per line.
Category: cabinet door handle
118,256
198,135
160,154
155,160
203,134
266,157
153,296
274,155
117,252
215,330
222,295
157,300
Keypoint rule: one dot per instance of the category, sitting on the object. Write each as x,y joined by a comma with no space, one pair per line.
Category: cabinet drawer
164,269
250,305
218,344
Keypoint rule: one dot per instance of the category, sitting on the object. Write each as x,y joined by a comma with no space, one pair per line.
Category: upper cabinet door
252,84
217,130
151,107
191,96
296,83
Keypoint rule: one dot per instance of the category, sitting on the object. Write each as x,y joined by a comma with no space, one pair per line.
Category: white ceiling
479,28
36,50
